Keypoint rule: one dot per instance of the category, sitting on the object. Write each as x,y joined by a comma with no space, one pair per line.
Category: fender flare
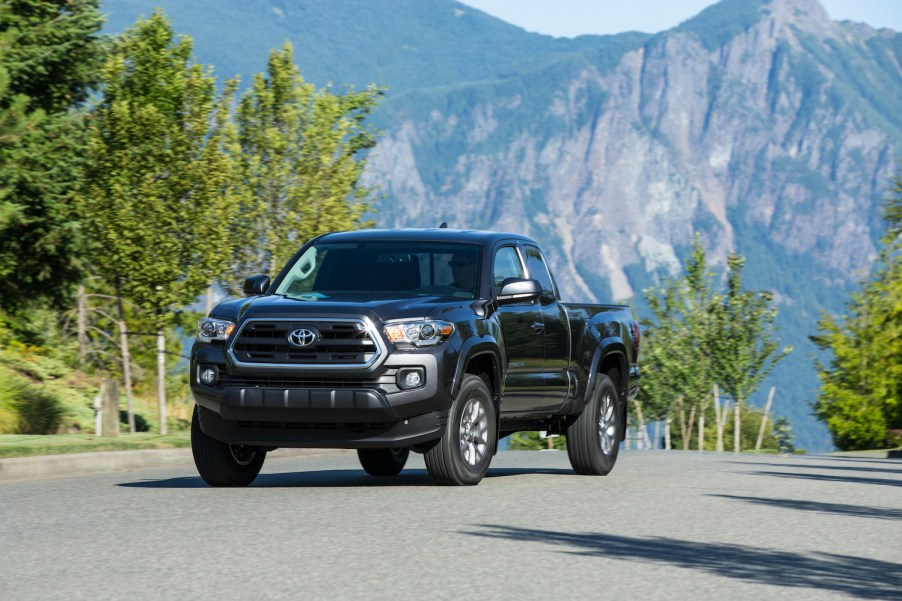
475,347
608,347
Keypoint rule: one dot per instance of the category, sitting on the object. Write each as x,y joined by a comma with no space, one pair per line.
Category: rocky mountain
763,125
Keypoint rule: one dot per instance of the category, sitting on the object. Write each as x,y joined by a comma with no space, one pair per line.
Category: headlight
418,333
209,329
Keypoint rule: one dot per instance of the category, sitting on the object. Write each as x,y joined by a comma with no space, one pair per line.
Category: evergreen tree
158,198
50,52
861,389
302,158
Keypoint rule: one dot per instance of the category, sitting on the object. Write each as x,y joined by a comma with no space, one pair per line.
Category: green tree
782,435
677,368
698,337
302,158
860,398
50,52
159,192
745,348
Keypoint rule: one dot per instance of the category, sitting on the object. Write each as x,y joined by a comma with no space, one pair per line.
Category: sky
570,18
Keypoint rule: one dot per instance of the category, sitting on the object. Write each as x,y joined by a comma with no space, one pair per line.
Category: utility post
109,391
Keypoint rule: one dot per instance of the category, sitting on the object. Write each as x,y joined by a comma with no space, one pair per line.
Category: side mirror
255,285
517,290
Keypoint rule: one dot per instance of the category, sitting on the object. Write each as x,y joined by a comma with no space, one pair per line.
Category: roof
431,235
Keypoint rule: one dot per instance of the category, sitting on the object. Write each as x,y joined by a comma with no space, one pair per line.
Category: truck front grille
339,343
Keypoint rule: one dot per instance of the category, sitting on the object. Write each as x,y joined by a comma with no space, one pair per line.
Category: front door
522,330
556,363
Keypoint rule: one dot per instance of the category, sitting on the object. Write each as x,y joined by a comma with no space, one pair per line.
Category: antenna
443,226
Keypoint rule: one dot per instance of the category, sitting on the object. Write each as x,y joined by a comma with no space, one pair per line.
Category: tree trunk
667,433
718,445
126,363
691,424
701,431
209,299
770,399
82,321
736,419
682,419
161,379
626,439
643,428
657,433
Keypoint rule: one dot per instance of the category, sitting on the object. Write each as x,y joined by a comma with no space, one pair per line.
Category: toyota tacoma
435,341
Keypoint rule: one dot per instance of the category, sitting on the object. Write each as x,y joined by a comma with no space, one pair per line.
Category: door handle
539,327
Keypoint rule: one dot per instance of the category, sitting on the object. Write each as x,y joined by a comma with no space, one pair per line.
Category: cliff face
767,130
765,126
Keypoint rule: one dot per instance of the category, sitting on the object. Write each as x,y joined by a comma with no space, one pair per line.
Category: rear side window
507,265
539,271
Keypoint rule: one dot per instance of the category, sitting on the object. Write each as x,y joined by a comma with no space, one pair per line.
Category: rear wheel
593,440
383,462
463,454
221,464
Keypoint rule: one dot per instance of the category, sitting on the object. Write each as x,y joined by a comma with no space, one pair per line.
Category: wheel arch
477,357
611,359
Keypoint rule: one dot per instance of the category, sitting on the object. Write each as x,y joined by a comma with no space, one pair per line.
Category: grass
26,445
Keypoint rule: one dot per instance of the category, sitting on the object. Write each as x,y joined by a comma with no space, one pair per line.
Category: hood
378,310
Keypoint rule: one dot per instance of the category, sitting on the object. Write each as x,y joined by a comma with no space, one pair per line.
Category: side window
539,271
507,265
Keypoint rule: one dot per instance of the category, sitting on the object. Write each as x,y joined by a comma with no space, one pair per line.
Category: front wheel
463,454
383,462
594,438
221,464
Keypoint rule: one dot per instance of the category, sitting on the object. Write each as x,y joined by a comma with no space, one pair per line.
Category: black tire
593,440
463,454
221,464
383,462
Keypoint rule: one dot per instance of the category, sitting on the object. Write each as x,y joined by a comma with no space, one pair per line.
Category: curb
74,464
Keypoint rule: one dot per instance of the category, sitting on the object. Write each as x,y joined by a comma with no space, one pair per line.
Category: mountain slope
400,44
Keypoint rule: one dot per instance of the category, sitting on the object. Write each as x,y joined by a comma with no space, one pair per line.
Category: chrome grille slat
342,344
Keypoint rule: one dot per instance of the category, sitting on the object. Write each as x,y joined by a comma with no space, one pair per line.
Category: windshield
383,269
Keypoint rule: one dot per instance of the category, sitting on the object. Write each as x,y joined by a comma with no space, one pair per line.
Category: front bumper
355,410
403,433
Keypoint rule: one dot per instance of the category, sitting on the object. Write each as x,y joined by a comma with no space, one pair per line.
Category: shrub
27,408
39,412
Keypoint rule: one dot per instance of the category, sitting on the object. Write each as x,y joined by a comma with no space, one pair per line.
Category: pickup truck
436,341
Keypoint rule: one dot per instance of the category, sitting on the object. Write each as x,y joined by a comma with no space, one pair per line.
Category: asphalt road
661,526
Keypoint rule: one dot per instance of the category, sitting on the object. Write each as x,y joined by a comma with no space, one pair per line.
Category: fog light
411,378
208,376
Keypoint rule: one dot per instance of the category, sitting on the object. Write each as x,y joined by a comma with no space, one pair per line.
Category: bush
39,412
141,423
11,388
27,408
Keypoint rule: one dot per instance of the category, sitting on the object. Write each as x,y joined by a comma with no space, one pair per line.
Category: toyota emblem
303,337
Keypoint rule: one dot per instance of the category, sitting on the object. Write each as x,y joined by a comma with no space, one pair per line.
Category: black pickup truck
436,341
